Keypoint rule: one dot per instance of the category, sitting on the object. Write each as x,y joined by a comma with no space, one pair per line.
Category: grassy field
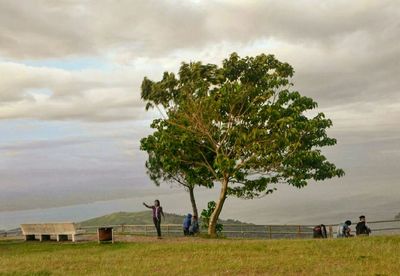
181,256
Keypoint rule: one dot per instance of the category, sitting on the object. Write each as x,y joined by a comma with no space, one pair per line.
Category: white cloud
48,93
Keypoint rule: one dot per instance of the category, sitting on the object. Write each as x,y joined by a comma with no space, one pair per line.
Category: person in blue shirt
186,224
344,230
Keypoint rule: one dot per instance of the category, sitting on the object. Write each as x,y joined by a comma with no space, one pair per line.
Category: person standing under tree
157,212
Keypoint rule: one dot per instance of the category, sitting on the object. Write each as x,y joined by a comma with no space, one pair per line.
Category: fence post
298,231
167,229
270,232
145,230
330,231
122,228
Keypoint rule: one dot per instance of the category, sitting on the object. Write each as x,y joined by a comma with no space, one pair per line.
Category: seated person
361,228
319,232
344,230
186,224
194,227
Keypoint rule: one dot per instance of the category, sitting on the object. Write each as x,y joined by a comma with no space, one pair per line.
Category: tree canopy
242,125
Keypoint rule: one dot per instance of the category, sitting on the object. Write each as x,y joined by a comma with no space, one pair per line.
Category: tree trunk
212,231
193,201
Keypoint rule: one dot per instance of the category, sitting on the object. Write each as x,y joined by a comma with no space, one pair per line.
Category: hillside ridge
140,218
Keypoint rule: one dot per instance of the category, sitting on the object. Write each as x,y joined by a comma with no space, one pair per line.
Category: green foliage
205,217
243,123
173,156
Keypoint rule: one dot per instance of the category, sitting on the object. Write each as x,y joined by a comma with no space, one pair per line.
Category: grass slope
141,218
195,256
144,217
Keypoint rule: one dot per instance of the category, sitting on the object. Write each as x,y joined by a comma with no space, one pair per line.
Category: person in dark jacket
186,224
361,228
157,212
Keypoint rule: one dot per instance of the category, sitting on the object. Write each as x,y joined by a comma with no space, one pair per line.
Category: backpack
343,230
319,231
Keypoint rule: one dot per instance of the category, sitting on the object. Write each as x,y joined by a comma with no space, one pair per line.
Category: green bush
205,217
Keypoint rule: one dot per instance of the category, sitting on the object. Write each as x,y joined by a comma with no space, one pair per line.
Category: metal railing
248,231
11,233
383,227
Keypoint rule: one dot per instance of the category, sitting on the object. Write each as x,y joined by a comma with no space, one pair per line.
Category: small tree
245,116
173,157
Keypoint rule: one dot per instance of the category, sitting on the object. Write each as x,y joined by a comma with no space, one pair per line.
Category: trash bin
105,234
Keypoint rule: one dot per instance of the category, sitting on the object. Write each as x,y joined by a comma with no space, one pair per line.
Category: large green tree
249,129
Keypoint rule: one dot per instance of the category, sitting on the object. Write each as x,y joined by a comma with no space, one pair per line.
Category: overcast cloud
82,63
342,51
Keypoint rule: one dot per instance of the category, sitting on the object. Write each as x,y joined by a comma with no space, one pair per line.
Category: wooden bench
46,230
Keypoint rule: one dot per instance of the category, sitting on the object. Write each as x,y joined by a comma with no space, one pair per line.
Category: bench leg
62,238
44,237
29,237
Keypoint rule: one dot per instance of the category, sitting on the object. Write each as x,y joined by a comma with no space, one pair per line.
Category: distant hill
139,218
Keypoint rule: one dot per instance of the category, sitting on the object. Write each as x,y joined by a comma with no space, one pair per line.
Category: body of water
280,208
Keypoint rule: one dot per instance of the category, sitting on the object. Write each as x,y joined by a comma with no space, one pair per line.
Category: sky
71,116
